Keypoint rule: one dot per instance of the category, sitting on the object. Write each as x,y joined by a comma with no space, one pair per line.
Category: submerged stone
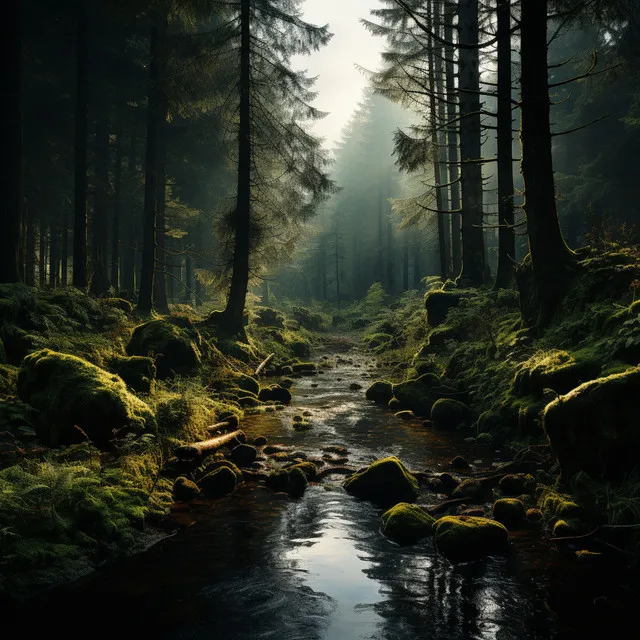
464,538
407,523
385,482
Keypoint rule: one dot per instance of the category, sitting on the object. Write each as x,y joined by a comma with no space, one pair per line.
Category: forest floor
74,493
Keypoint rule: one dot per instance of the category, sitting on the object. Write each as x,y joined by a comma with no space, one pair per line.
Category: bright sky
340,83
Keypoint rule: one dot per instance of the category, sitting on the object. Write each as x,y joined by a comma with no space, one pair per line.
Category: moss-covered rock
138,372
248,401
419,394
308,468
594,428
555,369
219,482
509,512
380,392
247,383
407,523
296,482
70,392
463,538
459,463
448,413
515,484
473,490
394,404
534,516
174,342
300,348
185,489
267,317
259,441
278,480
3,353
405,414
438,303
275,393
385,482
243,455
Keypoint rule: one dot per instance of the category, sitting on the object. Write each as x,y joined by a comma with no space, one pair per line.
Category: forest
241,368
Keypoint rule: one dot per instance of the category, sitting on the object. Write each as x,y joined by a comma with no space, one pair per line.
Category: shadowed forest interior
405,355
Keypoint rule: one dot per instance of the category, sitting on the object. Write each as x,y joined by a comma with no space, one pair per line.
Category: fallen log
196,449
263,364
219,425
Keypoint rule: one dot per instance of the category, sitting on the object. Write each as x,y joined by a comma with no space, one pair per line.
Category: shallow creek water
258,565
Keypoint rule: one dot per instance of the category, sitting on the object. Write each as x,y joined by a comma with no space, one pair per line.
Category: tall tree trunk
417,260
64,266
100,226
473,262
42,253
30,257
234,311
80,146
188,277
506,235
117,210
154,115
161,268
128,253
405,261
453,156
379,266
337,265
53,255
552,261
433,126
11,187
389,257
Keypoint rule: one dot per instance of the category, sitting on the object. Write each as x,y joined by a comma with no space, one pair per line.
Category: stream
259,565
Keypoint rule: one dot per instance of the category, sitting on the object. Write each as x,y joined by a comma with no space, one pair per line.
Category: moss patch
462,538
407,523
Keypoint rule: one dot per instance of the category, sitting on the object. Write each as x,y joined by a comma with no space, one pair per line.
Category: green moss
8,380
275,392
70,392
386,482
138,372
308,468
407,523
463,538
420,394
185,489
247,383
473,490
515,484
405,415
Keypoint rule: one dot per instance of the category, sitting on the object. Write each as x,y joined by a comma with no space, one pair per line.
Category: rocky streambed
261,564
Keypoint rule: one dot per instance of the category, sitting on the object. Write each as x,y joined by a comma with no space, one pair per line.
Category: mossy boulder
509,512
248,401
438,303
185,489
247,383
463,538
69,391
380,392
473,490
278,480
296,482
308,468
448,413
394,404
405,414
174,343
259,441
219,482
138,372
515,484
534,516
243,455
385,482
267,317
595,428
407,523
275,393
419,394
557,370
300,348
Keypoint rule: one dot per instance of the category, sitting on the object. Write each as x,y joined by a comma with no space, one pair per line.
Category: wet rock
185,489
534,516
335,448
438,303
474,513
385,482
276,393
589,428
419,394
573,527
286,383
516,484
484,438
307,413
380,392
70,392
308,468
472,490
174,342
278,480
448,482
300,348
296,482
464,538
304,367
287,370
219,483
407,523
459,463
259,441
248,401
448,413
243,455
405,415
302,425
273,448
509,512
354,386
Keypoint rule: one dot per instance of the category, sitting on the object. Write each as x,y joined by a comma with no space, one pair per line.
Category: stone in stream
354,386
407,523
472,490
296,482
275,392
449,483
405,415
515,484
464,538
272,448
448,413
308,468
219,483
259,441
385,482
277,480
185,489
381,391
509,512
459,463
243,455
